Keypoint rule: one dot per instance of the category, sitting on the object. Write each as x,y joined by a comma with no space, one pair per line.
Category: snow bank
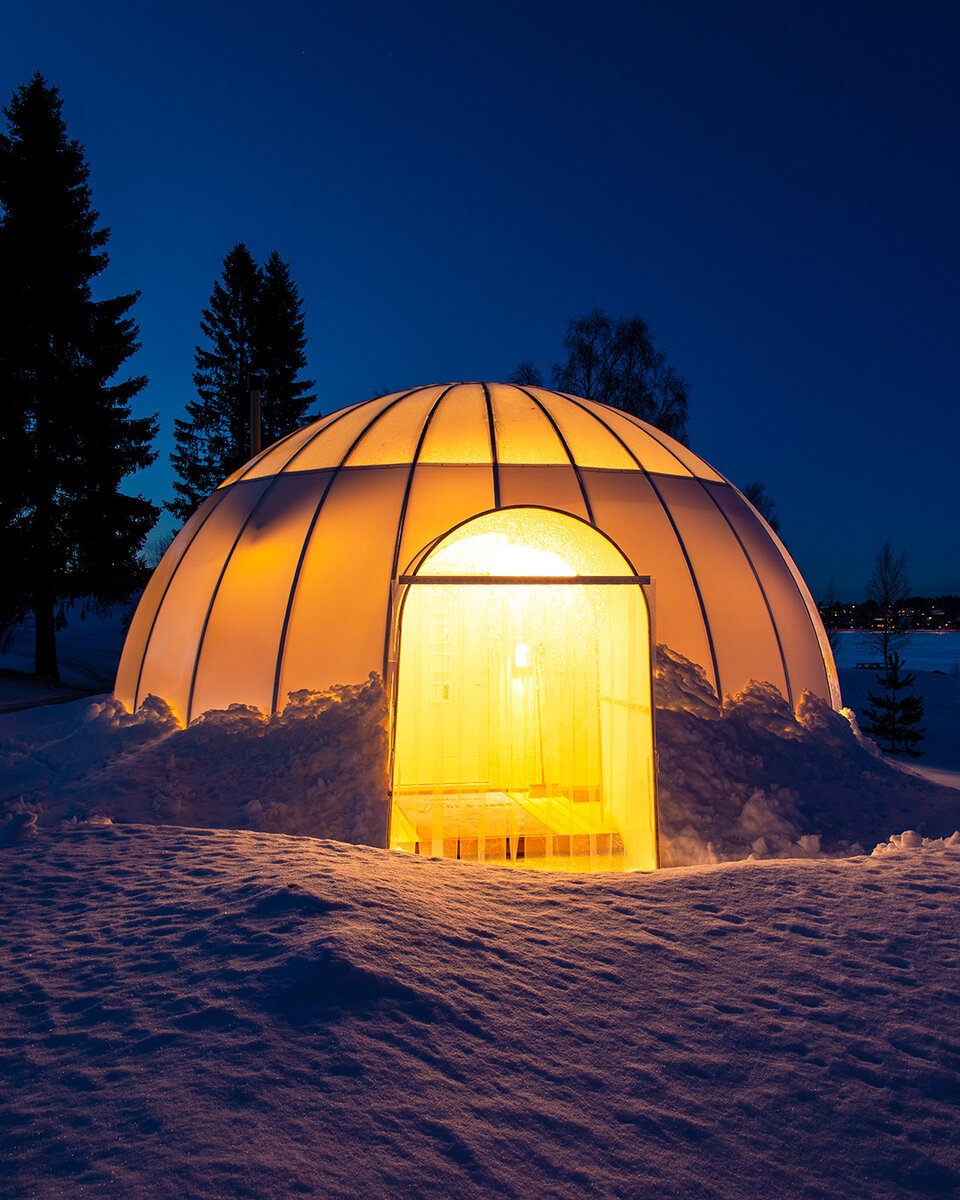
318,768
910,840
753,778
745,778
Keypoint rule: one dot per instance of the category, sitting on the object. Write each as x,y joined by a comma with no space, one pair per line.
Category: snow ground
209,1013
924,650
88,650
232,1011
941,711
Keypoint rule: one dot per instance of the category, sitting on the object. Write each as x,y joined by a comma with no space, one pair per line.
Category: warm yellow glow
525,541
523,718
494,554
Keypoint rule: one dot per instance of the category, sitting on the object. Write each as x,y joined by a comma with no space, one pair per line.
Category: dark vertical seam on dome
309,534
494,461
649,430
763,590
329,425
223,491
806,609
403,515
563,443
258,458
781,551
146,645
746,555
246,521
676,532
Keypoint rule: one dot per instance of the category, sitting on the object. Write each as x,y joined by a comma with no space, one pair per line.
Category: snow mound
911,840
745,778
318,768
752,778
18,827
681,685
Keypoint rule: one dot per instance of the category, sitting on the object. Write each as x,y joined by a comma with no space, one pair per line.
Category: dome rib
220,494
807,601
494,460
345,412
247,467
753,567
651,432
403,510
673,525
763,591
309,534
756,575
236,541
563,442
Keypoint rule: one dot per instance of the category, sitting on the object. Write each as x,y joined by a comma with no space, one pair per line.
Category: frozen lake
925,651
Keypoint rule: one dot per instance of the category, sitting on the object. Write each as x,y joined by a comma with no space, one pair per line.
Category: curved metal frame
543,404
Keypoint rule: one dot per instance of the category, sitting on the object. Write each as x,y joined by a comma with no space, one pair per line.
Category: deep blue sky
774,186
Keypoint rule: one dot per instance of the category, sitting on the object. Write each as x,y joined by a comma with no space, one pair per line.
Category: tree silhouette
614,360
279,351
526,374
892,719
66,435
888,589
254,330
756,493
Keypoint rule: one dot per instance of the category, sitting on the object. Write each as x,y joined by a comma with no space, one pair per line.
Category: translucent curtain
523,725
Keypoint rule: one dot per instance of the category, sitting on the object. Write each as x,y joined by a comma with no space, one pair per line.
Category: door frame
400,585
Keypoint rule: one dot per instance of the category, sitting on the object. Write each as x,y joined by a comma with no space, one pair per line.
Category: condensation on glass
523,721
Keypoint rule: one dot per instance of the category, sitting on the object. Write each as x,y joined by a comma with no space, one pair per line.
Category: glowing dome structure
505,557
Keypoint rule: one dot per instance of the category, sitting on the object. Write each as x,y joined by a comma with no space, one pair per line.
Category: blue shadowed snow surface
214,1014
229,1011
925,650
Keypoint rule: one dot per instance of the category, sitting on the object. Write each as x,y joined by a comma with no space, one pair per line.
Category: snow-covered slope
753,776
940,692
209,1014
231,1011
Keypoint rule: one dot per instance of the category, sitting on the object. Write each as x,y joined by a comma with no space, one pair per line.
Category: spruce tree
66,435
892,719
279,352
254,329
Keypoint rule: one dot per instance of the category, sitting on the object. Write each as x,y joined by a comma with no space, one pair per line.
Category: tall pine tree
255,330
66,435
279,351
891,718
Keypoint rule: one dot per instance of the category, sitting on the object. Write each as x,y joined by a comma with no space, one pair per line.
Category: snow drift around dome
749,778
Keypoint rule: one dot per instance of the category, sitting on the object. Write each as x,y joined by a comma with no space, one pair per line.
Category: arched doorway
523,730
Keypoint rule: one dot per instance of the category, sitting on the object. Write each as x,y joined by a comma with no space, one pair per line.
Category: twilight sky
775,187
